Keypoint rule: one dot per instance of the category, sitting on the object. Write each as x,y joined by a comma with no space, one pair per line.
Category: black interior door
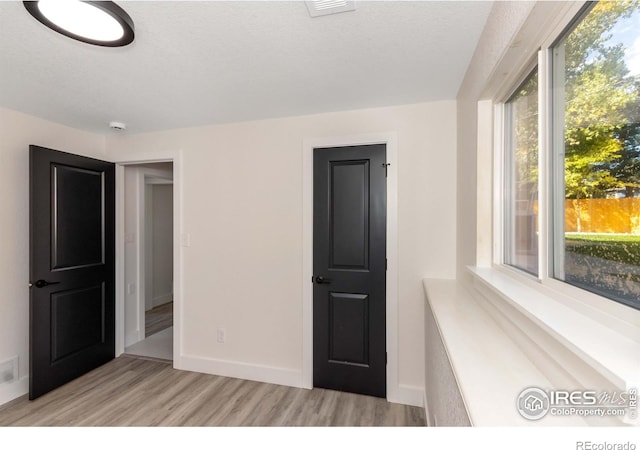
349,263
72,307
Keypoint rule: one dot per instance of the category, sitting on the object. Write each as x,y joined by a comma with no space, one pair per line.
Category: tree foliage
601,106
627,167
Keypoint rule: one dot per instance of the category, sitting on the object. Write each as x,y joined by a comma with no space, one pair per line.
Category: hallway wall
161,290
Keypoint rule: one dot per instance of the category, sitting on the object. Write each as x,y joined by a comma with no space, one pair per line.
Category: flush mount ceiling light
97,23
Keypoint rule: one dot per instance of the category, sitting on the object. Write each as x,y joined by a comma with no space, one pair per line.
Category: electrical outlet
9,370
222,335
6,376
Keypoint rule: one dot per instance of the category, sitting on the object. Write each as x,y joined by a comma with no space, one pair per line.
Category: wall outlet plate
9,370
222,335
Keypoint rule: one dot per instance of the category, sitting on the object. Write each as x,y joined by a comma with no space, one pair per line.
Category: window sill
490,369
502,334
612,354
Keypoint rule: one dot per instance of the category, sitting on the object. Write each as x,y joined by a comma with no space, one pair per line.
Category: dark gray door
72,308
349,263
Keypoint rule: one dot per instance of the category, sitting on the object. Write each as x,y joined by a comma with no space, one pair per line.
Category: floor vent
325,7
9,370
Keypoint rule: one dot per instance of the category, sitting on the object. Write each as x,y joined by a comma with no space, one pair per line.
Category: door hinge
386,359
386,169
386,263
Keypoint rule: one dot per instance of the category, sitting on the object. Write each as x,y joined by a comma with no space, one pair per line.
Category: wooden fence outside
603,215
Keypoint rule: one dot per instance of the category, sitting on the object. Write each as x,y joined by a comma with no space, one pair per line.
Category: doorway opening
148,260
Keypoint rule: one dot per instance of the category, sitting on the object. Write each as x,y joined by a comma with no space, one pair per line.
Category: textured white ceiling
204,62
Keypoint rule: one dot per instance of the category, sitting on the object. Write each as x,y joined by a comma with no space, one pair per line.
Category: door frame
309,145
174,156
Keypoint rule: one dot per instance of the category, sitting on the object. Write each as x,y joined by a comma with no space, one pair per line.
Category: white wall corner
131,338
13,390
407,395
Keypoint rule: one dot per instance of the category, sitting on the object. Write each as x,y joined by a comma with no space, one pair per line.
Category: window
521,181
596,82
592,120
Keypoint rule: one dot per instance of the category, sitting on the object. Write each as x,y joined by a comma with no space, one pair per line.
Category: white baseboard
245,371
162,299
426,408
132,337
11,391
407,395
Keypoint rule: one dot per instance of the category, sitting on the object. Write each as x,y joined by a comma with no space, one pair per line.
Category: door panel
349,328
77,218
78,319
349,305
72,270
349,214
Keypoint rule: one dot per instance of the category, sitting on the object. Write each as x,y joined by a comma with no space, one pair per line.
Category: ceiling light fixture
319,8
118,126
97,23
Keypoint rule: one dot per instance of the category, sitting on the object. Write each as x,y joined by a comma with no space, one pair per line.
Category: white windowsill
614,355
490,369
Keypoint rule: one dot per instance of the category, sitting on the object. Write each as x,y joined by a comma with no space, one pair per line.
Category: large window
592,165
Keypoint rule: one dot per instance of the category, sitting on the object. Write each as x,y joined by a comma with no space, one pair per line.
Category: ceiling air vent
325,7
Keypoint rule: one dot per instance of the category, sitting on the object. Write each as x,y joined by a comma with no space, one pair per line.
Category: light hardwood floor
140,392
158,319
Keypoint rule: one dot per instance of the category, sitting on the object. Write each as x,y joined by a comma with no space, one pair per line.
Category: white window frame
504,123
618,316
566,332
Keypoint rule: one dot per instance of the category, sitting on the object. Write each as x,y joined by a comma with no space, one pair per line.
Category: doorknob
43,283
323,280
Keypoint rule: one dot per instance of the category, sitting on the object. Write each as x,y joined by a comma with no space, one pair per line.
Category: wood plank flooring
131,391
158,319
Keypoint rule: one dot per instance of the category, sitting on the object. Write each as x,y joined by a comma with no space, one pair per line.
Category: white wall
242,207
504,21
17,132
161,244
